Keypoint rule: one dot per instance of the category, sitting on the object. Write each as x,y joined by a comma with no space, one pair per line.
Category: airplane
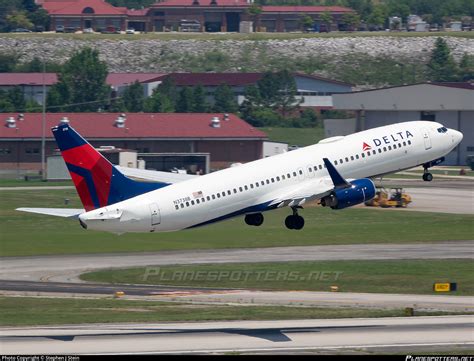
336,171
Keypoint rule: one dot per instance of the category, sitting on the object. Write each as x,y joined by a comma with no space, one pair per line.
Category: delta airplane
336,171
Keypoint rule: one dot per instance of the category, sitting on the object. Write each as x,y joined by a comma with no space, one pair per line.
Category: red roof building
228,139
185,15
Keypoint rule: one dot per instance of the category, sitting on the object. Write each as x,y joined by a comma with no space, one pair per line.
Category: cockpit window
442,130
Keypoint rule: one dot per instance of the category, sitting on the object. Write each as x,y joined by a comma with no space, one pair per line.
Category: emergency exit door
155,214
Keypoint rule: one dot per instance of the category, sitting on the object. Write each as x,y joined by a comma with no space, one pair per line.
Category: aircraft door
155,214
426,138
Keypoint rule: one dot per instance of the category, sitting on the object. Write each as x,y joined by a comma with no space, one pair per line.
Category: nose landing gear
294,221
427,176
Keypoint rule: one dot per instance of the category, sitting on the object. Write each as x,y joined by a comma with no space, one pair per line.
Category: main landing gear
254,219
294,221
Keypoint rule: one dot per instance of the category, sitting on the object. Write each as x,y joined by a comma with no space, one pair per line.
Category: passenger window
357,156
192,203
294,174
320,166
409,142
340,160
368,154
229,192
380,150
404,144
182,205
208,198
268,181
262,183
235,190
197,201
288,176
384,149
223,194
246,188
257,185
203,200
176,206
389,147
278,179
213,196
187,204
251,186
310,170
301,172
363,155
335,162
347,159
394,146
352,157
218,195
273,180
374,152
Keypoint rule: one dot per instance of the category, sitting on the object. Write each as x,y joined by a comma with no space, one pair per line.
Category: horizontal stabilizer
58,212
155,176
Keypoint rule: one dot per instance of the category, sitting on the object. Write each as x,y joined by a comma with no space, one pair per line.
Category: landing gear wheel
255,219
294,222
427,177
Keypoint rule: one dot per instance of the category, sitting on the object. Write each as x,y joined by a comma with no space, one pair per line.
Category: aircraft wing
298,196
156,176
58,212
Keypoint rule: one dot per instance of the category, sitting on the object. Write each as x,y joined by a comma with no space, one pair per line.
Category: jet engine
360,190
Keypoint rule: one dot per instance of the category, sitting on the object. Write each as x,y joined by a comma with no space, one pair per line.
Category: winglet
337,179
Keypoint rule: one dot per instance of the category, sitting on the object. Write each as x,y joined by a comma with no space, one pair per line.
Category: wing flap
58,212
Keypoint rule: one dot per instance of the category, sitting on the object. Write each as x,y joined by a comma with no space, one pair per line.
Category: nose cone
457,136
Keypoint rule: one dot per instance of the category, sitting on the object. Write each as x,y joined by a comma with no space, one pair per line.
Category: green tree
185,103
306,22
254,11
441,66
16,98
133,98
200,103
466,68
8,62
40,18
351,21
163,99
81,84
224,100
18,19
326,19
32,106
377,16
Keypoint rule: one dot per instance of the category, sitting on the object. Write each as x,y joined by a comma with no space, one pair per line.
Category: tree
306,22
200,103
441,66
19,19
466,68
378,16
133,98
82,83
163,99
351,21
326,19
224,100
16,98
8,62
254,11
185,103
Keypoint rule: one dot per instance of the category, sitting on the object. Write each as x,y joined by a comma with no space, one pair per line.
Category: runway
394,334
68,268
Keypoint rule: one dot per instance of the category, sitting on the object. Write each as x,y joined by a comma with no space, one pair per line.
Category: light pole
43,127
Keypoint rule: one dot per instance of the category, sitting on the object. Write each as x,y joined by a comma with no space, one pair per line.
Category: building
315,91
187,15
32,83
225,138
451,104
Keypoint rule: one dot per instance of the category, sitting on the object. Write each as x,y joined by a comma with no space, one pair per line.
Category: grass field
23,234
229,36
22,311
384,276
294,136
32,183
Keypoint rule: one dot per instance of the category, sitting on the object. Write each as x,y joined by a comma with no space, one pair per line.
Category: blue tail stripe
86,174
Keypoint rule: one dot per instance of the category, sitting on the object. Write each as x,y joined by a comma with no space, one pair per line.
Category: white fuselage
252,187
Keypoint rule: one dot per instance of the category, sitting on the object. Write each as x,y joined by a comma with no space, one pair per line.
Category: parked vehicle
60,28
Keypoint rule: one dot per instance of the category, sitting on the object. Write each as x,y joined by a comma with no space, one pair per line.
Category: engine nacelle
361,190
